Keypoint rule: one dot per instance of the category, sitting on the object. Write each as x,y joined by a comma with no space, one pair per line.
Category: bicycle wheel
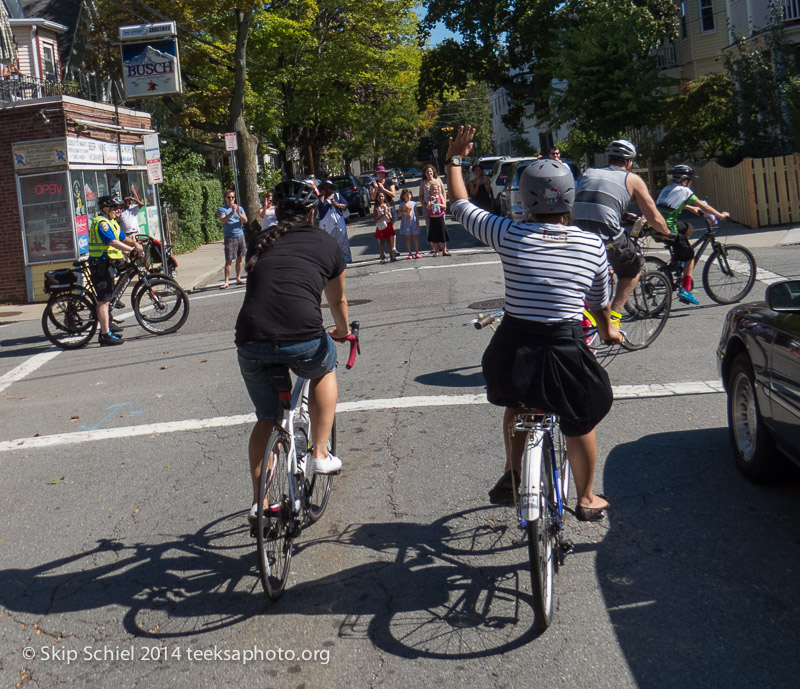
541,535
729,273
318,486
161,308
275,528
647,310
69,320
656,264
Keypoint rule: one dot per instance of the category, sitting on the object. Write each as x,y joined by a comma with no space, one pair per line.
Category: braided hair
293,202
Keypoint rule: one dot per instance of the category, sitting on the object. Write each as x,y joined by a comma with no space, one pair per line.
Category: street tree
700,120
584,62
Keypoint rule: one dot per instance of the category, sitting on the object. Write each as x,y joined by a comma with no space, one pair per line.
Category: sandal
590,514
503,491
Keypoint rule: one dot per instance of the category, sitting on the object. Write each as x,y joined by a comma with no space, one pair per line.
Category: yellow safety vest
97,249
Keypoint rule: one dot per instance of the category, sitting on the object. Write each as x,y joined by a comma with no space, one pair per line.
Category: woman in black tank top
480,189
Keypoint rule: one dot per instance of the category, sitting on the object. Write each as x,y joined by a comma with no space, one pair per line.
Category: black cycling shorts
624,257
549,367
681,248
102,278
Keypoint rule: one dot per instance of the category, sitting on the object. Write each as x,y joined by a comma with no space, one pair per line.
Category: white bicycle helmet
621,148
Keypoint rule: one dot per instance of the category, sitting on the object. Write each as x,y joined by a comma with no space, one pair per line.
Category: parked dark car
411,173
759,361
349,187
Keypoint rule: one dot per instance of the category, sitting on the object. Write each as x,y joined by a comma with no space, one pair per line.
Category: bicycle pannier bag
55,280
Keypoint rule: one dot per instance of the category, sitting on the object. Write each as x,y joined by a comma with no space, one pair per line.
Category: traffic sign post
436,159
155,176
232,145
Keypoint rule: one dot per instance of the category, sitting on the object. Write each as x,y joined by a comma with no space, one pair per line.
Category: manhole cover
488,305
8,314
352,302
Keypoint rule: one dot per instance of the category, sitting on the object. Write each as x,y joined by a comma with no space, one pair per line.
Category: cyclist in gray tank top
601,200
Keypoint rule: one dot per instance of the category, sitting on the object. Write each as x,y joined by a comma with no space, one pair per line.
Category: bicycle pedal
565,547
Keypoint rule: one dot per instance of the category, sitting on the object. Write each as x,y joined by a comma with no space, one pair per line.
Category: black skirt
437,230
547,366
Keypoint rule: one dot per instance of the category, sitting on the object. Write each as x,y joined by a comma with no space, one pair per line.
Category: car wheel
753,447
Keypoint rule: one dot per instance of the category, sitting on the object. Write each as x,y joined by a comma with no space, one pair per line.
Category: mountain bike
728,275
70,320
290,496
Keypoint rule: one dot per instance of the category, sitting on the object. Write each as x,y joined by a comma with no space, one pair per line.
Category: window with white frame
683,20
707,16
49,62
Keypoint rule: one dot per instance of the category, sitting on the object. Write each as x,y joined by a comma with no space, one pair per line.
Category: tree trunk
246,154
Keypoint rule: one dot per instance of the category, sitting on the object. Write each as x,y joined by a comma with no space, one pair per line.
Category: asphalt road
125,560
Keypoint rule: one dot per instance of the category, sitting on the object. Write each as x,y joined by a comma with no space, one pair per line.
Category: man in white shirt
129,218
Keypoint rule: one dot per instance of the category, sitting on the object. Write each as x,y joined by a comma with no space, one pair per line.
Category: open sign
47,189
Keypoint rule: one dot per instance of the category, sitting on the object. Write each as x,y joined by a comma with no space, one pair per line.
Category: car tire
753,448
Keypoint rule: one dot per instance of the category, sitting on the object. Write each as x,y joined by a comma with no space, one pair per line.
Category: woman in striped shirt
538,357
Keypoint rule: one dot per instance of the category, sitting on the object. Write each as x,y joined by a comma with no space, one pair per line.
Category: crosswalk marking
621,392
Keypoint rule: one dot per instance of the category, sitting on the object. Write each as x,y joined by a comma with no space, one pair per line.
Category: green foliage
608,77
194,195
467,106
762,69
268,177
701,119
599,50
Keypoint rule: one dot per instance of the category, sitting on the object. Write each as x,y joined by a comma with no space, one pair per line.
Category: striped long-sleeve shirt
549,270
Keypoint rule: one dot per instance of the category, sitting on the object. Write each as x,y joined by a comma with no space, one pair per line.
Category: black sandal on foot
503,491
590,514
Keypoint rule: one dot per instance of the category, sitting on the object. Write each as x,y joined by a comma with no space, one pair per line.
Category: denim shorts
312,359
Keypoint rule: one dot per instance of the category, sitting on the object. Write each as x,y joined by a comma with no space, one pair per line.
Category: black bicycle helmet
678,173
295,196
110,200
547,186
621,148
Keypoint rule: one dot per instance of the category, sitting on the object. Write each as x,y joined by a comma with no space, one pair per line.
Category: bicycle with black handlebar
70,320
728,275
290,496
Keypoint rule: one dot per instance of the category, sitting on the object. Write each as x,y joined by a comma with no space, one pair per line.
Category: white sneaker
330,465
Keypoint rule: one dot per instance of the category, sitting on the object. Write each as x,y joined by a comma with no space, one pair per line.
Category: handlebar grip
486,320
355,345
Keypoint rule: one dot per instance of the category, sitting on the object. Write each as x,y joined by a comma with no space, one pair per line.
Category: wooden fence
757,192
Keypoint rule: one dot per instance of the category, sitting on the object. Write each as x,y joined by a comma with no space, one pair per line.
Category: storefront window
80,208
47,217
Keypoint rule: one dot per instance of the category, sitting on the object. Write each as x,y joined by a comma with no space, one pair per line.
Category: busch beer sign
150,62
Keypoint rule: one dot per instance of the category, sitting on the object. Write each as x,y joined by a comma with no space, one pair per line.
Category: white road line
621,392
26,367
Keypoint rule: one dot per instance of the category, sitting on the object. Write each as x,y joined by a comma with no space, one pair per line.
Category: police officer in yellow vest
108,244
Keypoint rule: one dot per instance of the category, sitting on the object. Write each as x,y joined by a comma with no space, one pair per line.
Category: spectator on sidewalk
129,219
232,218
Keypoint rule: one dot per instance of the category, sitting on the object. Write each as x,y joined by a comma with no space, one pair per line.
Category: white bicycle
290,496
540,499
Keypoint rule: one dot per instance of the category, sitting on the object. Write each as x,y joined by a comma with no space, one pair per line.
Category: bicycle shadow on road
699,567
450,589
190,585
457,588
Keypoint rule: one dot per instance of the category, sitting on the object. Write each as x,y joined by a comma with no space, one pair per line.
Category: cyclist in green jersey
671,201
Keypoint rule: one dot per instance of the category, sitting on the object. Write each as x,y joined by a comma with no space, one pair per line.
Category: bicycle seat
279,377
